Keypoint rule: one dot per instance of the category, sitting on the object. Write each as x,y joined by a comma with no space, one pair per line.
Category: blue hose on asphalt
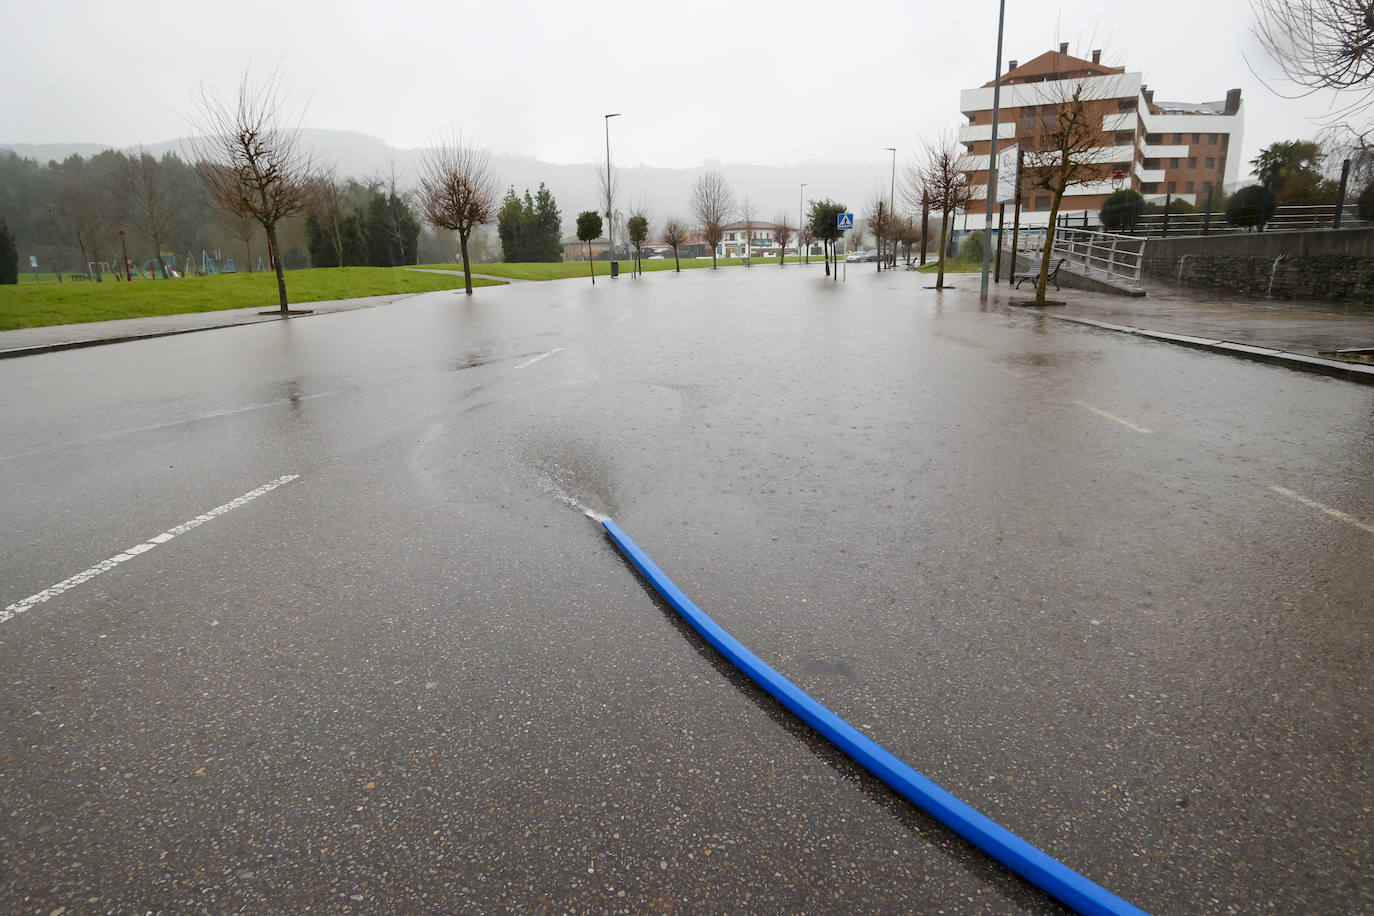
1042,870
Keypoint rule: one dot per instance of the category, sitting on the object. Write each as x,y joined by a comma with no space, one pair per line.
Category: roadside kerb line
531,362
1334,513
86,575
1111,416
1027,860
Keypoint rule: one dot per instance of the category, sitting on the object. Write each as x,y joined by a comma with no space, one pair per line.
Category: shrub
972,249
1364,204
1121,209
1250,207
9,257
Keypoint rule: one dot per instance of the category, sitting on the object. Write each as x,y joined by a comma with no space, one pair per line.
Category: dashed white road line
532,361
1111,416
1334,513
86,575
620,319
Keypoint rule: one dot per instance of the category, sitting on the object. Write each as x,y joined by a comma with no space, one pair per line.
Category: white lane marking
134,430
1111,416
1010,372
531,362
86,575
620,319
1334,513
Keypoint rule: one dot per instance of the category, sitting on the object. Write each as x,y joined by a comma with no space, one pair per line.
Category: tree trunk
1043,279
591,265
274,254
825,254
677,262
713,257
467,270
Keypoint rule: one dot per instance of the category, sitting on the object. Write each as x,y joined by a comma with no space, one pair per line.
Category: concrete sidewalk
28,341
1301,335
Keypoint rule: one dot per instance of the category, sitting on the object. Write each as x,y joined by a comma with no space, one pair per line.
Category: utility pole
610,217
799,222
992,153
891,203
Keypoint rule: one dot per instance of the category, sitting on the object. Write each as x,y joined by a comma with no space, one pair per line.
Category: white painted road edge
1313,504
20,607
531,362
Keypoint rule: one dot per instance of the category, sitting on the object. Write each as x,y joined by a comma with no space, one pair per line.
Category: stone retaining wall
1328,265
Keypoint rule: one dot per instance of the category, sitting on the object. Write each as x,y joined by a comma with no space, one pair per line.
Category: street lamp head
616,115
890,149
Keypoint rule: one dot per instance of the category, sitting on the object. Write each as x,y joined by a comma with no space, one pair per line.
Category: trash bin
615,268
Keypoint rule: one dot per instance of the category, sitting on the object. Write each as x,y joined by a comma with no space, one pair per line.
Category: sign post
844,222
33,262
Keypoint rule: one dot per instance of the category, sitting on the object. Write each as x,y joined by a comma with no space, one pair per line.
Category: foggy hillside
664,192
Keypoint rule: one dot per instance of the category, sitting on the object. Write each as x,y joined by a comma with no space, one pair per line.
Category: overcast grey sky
731,81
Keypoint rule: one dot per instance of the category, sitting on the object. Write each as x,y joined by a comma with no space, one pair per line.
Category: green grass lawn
38,305
952,266
563,270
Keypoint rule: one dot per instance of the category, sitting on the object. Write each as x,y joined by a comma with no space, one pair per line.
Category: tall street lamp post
799,222
892,202
610,219
992,157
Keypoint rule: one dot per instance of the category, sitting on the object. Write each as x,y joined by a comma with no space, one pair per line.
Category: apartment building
1157,148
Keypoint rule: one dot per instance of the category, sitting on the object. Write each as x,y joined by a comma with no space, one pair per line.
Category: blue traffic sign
845,221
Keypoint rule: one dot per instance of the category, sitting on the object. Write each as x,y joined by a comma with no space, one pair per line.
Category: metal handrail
1118,258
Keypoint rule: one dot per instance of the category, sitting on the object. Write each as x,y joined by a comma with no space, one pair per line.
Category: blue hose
1042,870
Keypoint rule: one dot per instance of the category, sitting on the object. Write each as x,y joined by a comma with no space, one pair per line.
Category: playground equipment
209,265
169,268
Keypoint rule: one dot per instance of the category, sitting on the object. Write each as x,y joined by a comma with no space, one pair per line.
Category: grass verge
39,305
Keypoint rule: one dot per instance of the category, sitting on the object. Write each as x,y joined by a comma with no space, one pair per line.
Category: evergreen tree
549,224
9,256
510,226
322,250
354,239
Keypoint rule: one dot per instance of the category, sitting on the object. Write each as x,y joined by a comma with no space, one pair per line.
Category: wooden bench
79,277
1034,275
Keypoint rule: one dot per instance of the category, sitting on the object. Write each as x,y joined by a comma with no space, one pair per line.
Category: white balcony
972,133
1149,176
1166,152
1125,120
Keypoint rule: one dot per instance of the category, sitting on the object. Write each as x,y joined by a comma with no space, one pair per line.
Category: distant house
737,240
574,249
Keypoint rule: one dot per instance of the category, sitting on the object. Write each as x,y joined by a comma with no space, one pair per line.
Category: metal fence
1115,258
1288,218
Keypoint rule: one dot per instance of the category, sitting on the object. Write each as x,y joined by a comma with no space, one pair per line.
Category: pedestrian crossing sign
845,221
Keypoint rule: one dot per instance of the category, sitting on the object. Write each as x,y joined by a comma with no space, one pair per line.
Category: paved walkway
27,341
1299,334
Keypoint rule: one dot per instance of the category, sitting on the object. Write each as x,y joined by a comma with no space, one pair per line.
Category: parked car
854,257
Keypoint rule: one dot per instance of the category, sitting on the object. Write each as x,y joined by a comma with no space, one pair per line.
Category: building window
1211,162
1173,163
1211,139
1178,138
1192,162
1154,139
1042,201
1125,104
1225,141
1149,188
1221,164
1125,137
1173,186
1197,138
1188,188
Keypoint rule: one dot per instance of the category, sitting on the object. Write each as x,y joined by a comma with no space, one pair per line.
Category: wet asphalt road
1115,595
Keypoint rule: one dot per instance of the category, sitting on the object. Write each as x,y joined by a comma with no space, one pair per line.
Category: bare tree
939,178
782,234
82,214
675,234
251,162
458,191
608,179
1320,44
804,240
149,201
712,205
1064,147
